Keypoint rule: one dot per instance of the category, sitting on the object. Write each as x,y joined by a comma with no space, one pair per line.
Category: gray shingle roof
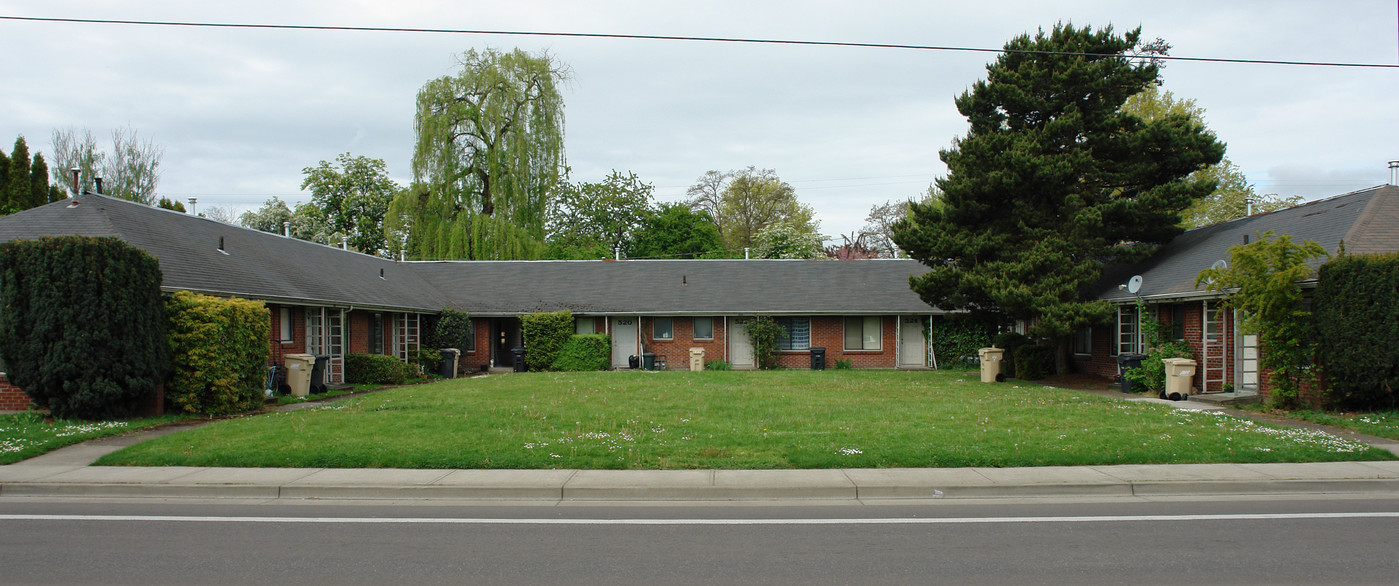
1368,221
256,264
269,267
680,287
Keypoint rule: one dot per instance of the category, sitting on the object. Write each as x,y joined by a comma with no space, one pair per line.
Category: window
704,328
1126,330
584,325
863,333
1177,322
662,328
1083,341
376,333
285,324
798,333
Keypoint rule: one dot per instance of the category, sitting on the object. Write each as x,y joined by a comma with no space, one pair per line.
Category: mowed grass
732,420
1383,424
29,434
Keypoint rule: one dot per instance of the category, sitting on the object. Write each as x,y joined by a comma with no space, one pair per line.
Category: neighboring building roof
274,268
680,287
1367,220
252,264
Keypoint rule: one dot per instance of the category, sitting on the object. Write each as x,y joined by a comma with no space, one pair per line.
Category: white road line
871,521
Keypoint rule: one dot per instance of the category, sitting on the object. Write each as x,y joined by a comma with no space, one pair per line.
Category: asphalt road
1237,541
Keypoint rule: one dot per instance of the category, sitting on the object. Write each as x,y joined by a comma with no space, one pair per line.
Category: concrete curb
560,486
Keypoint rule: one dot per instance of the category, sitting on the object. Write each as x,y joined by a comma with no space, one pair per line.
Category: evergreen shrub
82,327
1010,342
545,334
219,353
1034,362
585,352
956,340
375,369
763,333
453,330
1357,327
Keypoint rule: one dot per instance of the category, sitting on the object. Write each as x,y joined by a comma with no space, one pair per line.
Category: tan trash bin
696,359
990,363
299,373
1179,373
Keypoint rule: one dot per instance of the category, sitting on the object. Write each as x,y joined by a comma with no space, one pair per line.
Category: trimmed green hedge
1357,329
585,352
219,349
82,327
1034,362
376,369
545,334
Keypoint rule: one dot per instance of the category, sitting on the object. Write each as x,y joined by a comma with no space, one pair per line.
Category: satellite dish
1220,265
1134,284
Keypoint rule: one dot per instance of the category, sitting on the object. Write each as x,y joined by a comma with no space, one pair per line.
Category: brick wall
297,345
676,351
475,360
11,397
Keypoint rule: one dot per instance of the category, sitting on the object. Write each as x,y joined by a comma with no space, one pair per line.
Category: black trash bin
818,359
448,367
648,360
1127,361
318,374
634,362
519,359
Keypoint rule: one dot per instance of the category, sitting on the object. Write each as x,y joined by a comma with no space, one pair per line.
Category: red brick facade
12,398
1102,361
826,332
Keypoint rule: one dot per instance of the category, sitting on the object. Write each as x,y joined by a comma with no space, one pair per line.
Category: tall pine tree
1053,180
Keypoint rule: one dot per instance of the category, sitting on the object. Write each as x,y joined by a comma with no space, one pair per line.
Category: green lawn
1383,424
735,420
29,434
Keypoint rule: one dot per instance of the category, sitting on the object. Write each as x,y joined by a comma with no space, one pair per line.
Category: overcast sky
241,112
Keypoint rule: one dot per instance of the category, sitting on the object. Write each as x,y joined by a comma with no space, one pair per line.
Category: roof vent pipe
617,252
1394,172
1248,205
286,229
745,253
192,201
344,243
98,181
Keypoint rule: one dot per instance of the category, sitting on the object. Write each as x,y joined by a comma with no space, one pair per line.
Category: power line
674,38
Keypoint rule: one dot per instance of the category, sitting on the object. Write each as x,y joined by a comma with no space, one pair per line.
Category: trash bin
1127,361
318,374
818,359
633,362
1179,373
299,368
448,367
990,364
696,359
648,360
519,359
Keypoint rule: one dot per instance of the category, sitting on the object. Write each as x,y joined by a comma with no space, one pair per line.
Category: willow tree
489,153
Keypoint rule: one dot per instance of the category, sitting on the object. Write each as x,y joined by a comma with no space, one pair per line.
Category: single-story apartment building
1366,220
330,301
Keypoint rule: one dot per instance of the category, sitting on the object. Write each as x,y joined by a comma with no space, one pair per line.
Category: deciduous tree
1052,180
676,231
490,153
744,202
353,194
130,171
588,218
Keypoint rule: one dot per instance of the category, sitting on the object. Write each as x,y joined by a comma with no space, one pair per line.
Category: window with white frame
1083,341
662,328
704,328
1128,336
284,324
798,333
864,333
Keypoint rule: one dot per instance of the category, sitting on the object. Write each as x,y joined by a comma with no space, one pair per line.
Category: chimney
98,181
1394,172
76,173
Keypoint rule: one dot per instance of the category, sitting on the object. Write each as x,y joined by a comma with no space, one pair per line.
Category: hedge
1357,329
1010,342
375,369
82,327
454,330
956,340
585,352
545,334
1034,362
219,352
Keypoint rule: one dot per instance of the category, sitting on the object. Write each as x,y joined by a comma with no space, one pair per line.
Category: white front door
912,350
740,347
623,340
